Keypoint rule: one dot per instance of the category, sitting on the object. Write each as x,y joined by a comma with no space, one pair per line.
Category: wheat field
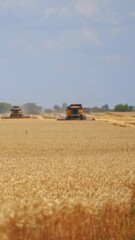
69,180
122,119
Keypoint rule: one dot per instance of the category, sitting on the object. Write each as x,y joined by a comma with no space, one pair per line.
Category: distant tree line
57,108
34,109
123,108
117,108
5,107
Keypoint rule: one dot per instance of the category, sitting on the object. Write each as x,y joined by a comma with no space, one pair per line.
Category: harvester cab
74,112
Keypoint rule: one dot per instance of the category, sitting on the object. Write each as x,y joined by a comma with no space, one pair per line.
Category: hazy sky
74,51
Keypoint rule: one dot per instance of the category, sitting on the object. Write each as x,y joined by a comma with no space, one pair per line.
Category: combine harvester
74,112
16,112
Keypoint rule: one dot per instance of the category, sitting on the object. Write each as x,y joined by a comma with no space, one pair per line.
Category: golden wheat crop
71,180
122,119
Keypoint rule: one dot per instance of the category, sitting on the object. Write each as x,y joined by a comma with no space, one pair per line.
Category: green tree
122,108
5,107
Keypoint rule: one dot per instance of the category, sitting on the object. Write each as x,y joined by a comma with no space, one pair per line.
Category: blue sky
74,51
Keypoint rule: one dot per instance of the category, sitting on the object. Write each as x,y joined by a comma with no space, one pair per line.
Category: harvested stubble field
71,180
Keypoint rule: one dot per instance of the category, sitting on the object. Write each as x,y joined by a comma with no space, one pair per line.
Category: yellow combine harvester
16,112
75,112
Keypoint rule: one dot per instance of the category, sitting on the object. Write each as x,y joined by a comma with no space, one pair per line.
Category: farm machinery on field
74,112
16,112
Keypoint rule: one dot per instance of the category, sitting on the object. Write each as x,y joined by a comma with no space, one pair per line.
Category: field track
71,180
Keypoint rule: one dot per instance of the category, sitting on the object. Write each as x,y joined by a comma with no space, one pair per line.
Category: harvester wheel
82,117
68,118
